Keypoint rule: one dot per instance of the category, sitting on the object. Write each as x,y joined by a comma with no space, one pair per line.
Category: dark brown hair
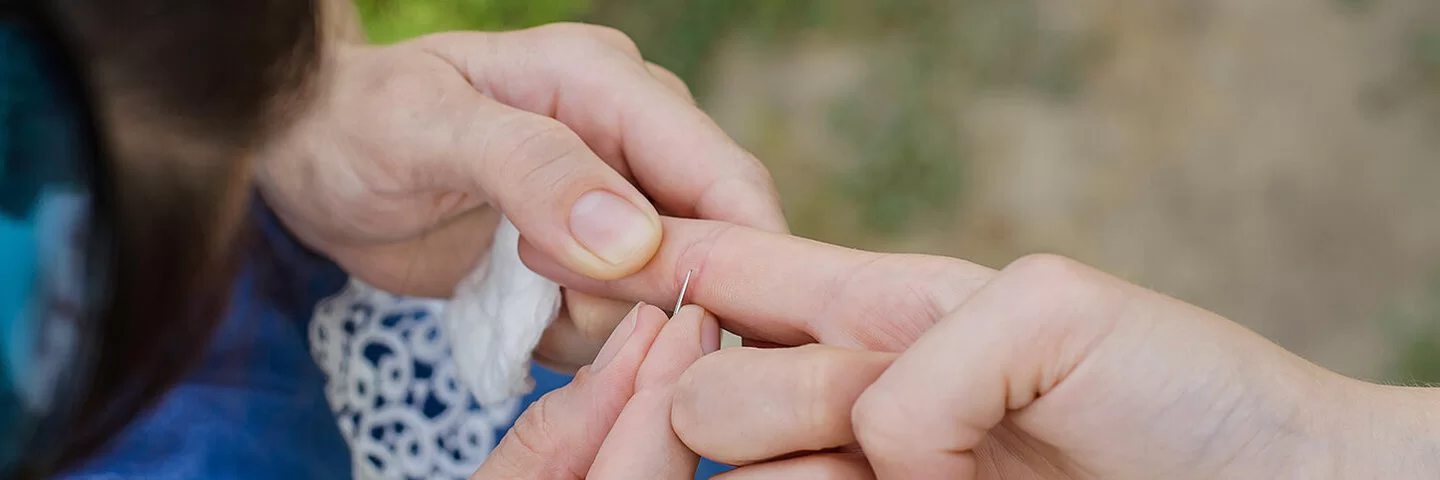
186,91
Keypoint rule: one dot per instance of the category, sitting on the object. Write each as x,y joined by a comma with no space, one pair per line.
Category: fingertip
690,313
677,346
641,329
653,320
618,338
705,325
694,319
653,313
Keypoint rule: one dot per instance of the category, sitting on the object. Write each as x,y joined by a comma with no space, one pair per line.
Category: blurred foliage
1356,6
900,123
902,129
1426,54
1418,361
388,21
1415,332
992,40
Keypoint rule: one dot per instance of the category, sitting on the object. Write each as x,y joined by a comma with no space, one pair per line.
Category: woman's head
183,93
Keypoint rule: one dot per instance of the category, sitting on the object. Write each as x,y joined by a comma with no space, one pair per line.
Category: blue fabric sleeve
255,408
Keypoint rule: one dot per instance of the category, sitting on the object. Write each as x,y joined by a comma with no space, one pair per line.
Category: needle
679,302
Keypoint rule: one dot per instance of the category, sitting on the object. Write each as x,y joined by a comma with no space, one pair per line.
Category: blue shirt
256,407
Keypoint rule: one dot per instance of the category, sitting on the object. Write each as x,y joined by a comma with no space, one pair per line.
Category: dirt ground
1275,161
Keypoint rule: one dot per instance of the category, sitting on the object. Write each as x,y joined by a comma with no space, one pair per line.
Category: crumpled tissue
496,319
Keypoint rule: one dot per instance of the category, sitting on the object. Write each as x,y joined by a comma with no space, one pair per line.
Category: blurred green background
1275,162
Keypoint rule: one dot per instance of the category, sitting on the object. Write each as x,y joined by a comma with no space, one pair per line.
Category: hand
400,169
1045,369
613,420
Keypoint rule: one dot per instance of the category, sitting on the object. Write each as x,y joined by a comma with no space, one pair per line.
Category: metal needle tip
679,302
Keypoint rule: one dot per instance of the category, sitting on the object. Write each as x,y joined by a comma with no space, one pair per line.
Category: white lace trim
402,399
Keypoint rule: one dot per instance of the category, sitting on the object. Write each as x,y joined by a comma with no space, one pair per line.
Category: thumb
560,434
561,196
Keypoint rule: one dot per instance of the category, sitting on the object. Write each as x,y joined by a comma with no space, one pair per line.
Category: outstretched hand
930,367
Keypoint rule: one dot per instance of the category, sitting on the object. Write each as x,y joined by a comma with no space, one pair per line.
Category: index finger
642,444
630,118
789,290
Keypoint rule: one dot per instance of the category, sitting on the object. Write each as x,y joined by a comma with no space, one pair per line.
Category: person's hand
399,169
1045,369
613,420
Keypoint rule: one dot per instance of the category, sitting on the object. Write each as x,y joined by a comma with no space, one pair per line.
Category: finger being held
789,290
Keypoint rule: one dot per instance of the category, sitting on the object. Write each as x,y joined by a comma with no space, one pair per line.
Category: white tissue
496,319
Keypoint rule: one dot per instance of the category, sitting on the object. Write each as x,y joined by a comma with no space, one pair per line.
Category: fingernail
611,227
709,334
617,339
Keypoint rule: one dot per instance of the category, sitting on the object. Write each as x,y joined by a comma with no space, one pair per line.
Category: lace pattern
395,390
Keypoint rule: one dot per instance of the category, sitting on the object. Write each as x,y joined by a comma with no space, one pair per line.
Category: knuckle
1058,301
446,41
586,36
761,180
615,39
1053,278
669,78
1048,268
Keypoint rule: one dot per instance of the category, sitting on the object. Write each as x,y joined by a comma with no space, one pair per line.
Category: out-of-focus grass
1356,6
388,21
902,128
901,125
1418,360
1417,354
1425,55
1415,334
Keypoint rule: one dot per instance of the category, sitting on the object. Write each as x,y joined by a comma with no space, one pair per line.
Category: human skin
401,169
613,419
932,367
927,366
